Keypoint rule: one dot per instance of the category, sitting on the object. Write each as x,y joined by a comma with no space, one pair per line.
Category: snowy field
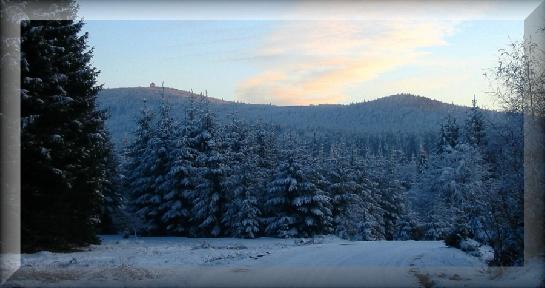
322,262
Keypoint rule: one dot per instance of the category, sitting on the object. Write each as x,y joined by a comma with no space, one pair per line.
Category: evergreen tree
369,202
161,154
393,197
241,217
342,188
298,207
139,176
409,228
449,135
177,201
210,194
354,199
422,161
112,217
63,138
475,127
264,143
248,224
449,193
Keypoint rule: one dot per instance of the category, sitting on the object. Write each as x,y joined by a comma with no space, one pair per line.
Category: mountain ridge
396,114
170,92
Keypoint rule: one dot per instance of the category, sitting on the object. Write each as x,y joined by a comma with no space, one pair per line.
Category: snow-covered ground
322,262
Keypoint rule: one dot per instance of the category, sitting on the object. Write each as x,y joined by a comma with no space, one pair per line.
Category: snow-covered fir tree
112,217
139,182
298,207
163,152
449,134
248,224
475,129
342,188
466,179
450,189
157,161
393,194
242,214
178,200
264,143
63,139
210,194
422,161
409,228
234,138
369,201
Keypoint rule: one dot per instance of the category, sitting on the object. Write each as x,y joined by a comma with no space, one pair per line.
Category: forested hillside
192,168
404,121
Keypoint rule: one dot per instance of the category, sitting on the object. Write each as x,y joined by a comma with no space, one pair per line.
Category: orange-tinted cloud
310,62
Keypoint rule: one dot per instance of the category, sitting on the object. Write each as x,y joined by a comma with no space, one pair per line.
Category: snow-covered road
371,253
325,262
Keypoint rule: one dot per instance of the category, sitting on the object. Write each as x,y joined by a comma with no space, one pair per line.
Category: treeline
200,178
472,185
392,118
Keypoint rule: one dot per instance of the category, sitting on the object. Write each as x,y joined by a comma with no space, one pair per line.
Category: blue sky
293,62
186,55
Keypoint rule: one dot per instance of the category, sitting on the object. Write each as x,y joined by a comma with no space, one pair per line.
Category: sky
302,57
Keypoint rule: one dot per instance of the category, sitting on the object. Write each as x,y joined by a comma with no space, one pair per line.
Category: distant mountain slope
393,114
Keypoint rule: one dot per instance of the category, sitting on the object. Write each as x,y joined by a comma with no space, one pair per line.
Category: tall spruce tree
298,207
64,144
369,201
265,146
160,155
451,190
210,194
112,217
177,215
393,200
474,132
449,135
139,178
341,188
241,216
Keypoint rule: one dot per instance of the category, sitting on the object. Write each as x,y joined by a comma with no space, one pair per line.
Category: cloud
310,62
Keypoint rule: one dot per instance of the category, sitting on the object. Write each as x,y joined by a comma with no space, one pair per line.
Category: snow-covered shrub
469,245
453,240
